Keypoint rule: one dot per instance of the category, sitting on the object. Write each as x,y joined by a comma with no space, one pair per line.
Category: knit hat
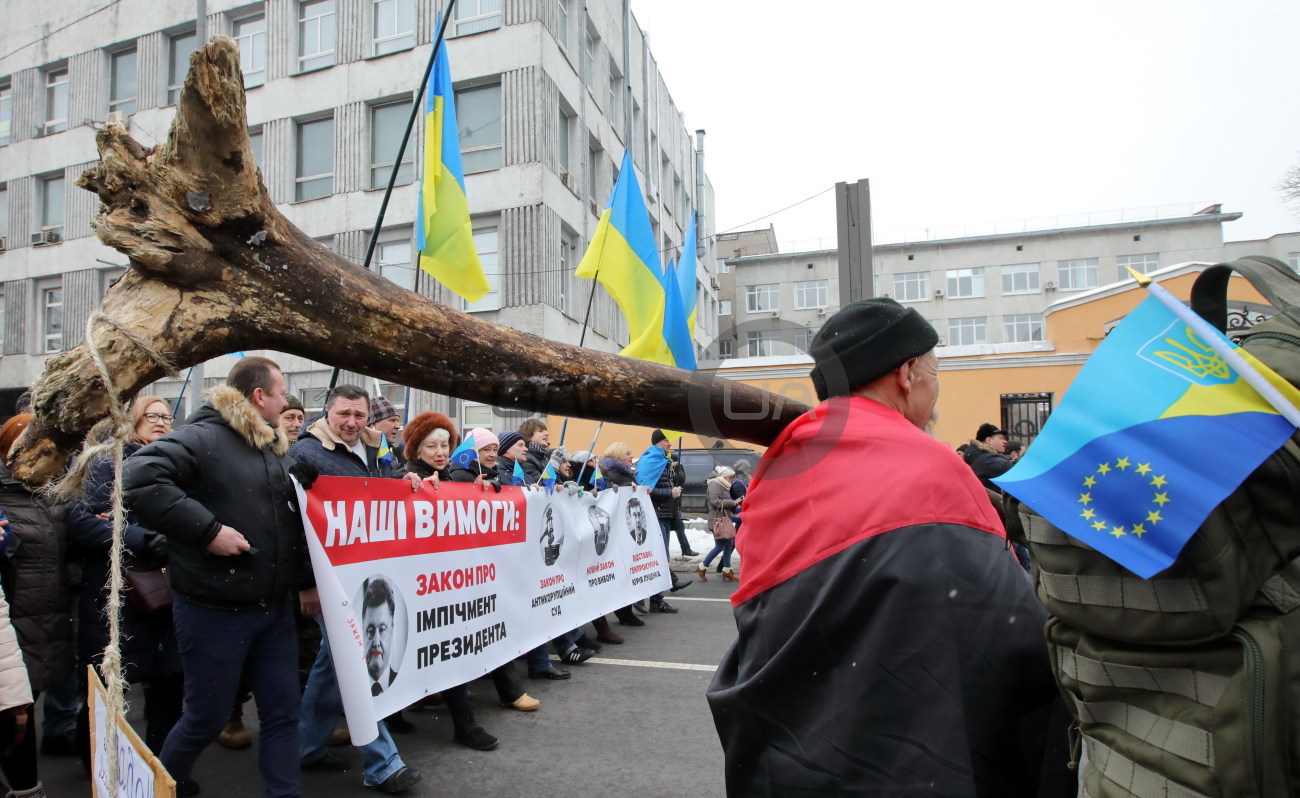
864,341
987,431
581,457
741,466
507,439
11,430
380,409
419,428
482,437
656,436
292,403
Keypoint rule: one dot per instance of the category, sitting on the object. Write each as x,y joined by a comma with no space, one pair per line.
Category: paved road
632,721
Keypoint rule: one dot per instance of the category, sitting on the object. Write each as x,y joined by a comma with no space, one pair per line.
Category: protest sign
427,590
139,773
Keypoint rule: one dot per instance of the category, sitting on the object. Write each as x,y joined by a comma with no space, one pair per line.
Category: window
562,23
810,294
181,48
724,349
476,16
1142,264
803,339
593,173
387,124
562,140
478,117
315,176
724,307
1020,278
317,34
615,90
485,242
4,220
1293,260
255,142
759,298
763,343
1077,274
6,112
1018,328
394,25
912,286
2,323
966,282
56,100
395,262
970,330
122,84
52,202
250,34
52,319
723,267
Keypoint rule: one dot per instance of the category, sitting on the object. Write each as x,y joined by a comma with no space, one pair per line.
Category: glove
305,473
154,552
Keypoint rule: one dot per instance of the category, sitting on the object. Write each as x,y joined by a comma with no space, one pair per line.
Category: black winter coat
987,463
148,641
331,457
661,495
617,473
457,473
535,463
225,466
35,576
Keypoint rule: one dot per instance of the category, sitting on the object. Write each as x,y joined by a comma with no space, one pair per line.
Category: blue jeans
567,641
539,660
215,646
723,547
62,704
322,704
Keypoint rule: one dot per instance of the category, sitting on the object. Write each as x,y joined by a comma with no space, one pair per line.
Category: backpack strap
1270,276
1200,686
1171,736
1129,775
1126,592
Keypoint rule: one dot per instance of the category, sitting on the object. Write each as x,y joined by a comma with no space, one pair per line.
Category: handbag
150,589
723,528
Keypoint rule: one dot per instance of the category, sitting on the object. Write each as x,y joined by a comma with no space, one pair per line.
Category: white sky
967,113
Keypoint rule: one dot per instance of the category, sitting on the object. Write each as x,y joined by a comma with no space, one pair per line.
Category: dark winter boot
470,734
628,618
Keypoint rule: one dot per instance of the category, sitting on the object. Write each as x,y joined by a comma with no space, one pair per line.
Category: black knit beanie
656,436
865,341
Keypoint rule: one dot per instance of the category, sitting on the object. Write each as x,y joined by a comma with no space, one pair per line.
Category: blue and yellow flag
385,455
677,328
686,269
444,234
598,479
465,453
548,476
624,258
650,466
518,478
1154,432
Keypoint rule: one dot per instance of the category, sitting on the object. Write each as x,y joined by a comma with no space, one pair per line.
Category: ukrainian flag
549,477
444,234
623,256
686,269
677,325
1154,433
385,454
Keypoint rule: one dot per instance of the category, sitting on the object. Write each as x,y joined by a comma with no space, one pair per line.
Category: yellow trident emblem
1184,353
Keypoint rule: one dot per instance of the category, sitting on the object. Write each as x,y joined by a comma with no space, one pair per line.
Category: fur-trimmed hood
244,419
320,430
979,446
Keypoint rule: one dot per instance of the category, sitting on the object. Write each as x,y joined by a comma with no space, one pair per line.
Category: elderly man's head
881,350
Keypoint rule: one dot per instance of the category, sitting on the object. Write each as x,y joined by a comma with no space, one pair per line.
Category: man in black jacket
986,455
219,489
666,496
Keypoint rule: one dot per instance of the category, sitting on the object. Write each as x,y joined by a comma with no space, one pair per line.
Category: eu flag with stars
1155,431
518,478
465,453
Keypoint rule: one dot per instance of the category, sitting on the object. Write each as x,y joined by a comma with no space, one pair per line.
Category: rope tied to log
112,433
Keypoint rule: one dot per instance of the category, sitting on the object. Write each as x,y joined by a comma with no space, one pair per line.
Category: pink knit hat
482,437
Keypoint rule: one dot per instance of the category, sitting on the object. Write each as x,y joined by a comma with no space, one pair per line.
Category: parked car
699,463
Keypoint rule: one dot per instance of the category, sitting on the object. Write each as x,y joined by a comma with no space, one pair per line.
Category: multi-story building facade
548,95
984,294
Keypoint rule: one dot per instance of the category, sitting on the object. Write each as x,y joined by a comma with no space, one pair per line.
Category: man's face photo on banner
383,628
636,520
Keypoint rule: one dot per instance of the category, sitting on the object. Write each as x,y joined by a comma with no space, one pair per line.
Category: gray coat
720,502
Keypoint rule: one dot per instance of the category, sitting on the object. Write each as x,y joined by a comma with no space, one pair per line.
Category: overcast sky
971,113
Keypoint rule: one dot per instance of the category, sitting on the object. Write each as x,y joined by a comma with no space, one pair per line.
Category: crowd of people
210,503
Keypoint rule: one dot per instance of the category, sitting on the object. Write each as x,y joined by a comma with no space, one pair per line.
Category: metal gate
1023,414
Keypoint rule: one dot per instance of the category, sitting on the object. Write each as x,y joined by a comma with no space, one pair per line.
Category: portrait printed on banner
636,521
552,539
383,630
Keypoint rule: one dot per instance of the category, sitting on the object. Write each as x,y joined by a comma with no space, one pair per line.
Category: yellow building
1013,389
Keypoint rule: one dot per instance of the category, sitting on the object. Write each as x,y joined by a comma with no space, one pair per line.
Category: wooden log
216,268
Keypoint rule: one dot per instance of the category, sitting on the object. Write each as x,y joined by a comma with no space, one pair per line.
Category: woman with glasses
148,644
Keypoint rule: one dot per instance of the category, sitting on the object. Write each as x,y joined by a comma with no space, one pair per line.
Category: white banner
427,590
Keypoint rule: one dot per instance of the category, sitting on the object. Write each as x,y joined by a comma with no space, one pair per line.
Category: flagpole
180,396
1212,338
582,337
401,150
591,452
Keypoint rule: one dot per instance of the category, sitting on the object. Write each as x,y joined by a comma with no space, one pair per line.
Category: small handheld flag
385,456
465,453
548,476
1133,459
518,478
598,479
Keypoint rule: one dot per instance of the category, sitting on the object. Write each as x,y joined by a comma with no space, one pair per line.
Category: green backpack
1188,684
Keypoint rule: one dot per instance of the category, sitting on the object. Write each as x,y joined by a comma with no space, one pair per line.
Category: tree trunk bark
216,268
